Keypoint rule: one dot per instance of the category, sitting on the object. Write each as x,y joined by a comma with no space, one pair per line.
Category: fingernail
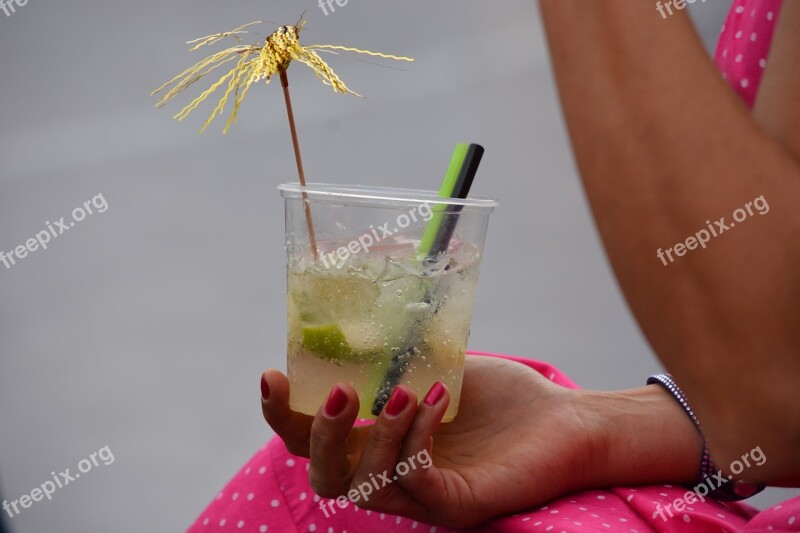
397,402
264,388
336,402
435,394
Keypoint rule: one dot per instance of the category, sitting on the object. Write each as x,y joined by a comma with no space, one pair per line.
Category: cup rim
381,195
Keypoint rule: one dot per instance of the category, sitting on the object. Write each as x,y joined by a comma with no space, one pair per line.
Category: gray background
145,328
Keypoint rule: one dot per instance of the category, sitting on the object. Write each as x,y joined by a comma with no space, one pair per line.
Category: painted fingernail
435,394
397,402
336,402
264,388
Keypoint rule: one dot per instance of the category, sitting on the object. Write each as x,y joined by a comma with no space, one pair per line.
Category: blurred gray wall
145,328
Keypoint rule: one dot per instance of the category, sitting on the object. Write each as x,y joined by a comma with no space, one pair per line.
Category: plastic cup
371,306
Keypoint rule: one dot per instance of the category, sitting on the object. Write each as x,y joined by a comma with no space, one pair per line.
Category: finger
293,427
420,476
382,448
330,471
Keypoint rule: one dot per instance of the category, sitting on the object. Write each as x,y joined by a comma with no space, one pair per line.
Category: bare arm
664,145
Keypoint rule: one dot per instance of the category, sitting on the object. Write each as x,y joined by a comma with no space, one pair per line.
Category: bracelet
739,489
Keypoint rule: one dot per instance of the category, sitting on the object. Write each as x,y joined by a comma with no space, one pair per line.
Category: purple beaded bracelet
739,489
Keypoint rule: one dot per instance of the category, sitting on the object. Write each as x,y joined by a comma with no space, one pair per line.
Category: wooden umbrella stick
299,160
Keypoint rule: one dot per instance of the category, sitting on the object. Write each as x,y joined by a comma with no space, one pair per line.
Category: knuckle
382,438
321,487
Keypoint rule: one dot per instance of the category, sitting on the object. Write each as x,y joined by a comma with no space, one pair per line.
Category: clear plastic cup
385,295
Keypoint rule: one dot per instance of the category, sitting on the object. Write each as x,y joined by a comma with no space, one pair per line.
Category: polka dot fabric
743,47
271,493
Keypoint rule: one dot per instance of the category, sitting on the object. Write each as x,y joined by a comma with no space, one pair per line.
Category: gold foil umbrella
252,64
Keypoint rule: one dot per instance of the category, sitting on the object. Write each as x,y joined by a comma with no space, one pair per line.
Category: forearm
663,145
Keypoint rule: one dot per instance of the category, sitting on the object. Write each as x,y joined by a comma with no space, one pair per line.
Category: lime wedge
328,342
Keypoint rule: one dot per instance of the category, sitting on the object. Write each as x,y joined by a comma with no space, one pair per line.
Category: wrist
640,436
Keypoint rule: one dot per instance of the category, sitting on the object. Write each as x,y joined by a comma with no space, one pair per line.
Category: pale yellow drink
376,317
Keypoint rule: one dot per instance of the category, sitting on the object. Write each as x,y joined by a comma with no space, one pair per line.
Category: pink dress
271,492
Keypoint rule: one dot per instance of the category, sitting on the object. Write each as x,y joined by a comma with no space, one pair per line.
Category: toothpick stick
299,160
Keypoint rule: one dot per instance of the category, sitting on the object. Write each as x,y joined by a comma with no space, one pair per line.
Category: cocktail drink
367,308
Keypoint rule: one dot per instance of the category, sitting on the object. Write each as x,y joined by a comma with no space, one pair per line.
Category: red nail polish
435,394
397,402
336,402
264,388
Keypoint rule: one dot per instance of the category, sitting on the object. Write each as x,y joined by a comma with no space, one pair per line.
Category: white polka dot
753,36
543,508
582,508
398,520
622,520
251,496
601,497
630,497
745,83
606,525
316,498
263,529
740,10
414,525
577,523
738,34
554,511
539,523
762,63
205,522
312,527
791,520
770,15
223,522
738,58
330,530
274,503
290,462
686,518
235,496
308,466
777,508
433,529
720,515
262,470
383,516
725,53
548,528
240,525
247,470
219,496
303,496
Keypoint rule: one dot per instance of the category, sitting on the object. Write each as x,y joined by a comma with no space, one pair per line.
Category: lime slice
328,342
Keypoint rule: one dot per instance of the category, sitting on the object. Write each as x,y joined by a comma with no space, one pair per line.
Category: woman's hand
518,441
